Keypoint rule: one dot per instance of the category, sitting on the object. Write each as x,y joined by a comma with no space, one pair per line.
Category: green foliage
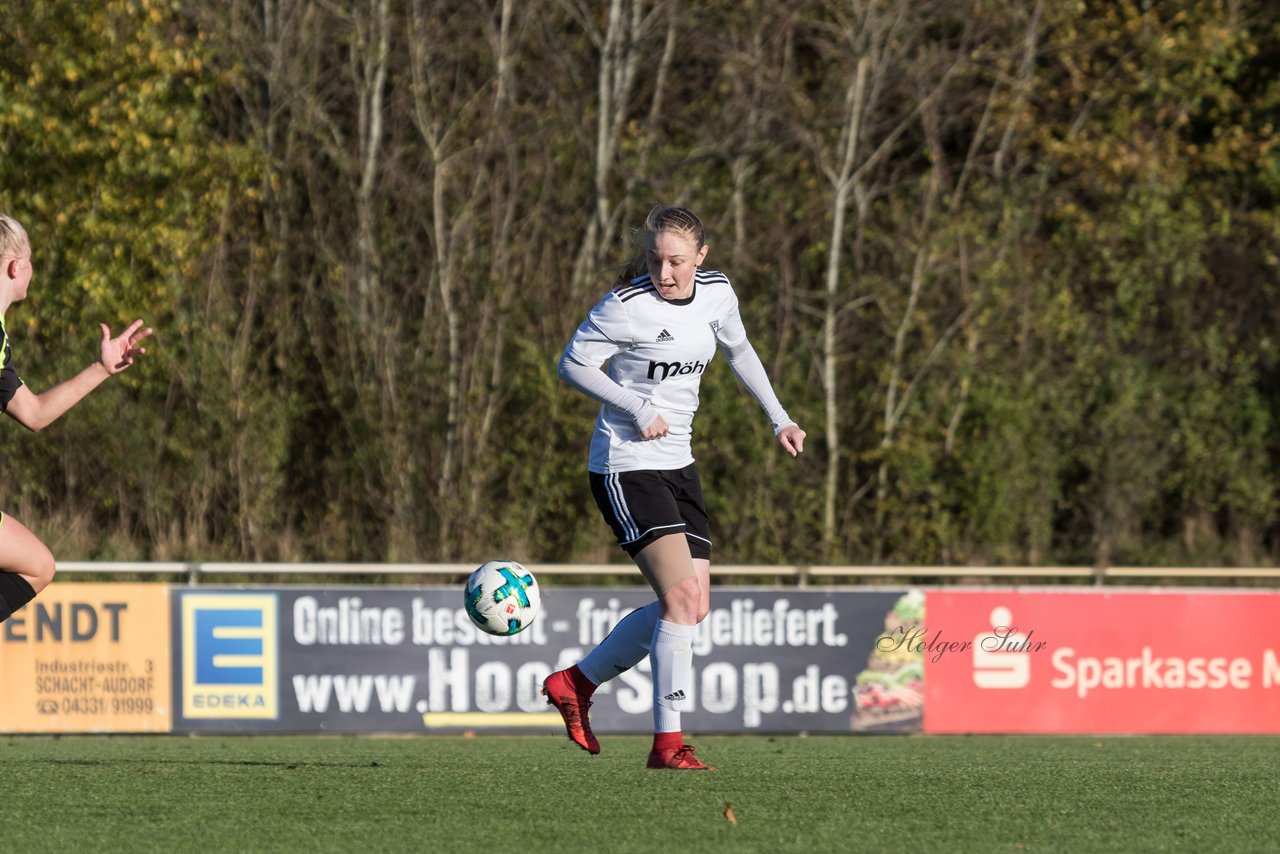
1051,322
108,162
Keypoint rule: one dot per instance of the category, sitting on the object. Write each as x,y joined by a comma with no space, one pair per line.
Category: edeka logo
230,653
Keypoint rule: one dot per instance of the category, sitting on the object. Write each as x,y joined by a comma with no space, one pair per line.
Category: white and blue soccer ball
502,597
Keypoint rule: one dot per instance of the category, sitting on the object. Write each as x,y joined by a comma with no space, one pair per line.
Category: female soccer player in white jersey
657,329
26,565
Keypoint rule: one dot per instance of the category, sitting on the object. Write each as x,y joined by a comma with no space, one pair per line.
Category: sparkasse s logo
230,656
1000,657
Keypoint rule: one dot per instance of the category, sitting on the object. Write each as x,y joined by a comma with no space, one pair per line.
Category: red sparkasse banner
1021,661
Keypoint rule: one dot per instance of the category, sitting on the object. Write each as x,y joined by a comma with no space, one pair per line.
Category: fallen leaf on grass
728,813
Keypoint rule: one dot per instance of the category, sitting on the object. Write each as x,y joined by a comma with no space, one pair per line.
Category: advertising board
1116,661
88,658
408,660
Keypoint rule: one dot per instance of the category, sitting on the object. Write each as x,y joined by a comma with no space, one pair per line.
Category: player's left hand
792,440
118,353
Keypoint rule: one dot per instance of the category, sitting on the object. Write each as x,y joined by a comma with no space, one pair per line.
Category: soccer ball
502,597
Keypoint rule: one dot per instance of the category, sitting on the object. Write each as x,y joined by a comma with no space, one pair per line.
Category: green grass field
531,794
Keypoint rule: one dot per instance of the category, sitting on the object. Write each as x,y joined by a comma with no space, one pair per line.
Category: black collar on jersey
687,299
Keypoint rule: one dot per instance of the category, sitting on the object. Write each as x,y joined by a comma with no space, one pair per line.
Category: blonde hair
13,238
663,218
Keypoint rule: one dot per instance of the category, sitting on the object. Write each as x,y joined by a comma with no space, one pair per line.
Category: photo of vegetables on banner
889,695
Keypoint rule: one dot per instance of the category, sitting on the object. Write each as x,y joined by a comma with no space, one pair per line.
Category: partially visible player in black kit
26,564
658,329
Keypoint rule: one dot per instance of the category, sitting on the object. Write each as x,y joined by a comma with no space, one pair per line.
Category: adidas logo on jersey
664,337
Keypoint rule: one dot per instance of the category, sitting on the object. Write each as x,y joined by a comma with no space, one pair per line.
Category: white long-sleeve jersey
657,351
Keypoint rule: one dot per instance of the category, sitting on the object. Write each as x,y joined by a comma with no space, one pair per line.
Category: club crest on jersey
665,337
715,325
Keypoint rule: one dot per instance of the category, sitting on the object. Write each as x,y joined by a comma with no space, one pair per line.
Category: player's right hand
118,353
656,430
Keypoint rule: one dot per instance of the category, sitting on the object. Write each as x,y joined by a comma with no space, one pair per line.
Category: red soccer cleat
572,705
679,759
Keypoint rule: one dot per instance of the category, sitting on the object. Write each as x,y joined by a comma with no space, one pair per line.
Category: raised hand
118,353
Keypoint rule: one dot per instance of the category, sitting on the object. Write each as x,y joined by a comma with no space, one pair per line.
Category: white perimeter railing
196,572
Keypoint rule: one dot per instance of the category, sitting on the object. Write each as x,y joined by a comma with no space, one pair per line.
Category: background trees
1010,264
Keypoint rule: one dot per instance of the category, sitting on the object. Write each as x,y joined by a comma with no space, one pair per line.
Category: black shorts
641,506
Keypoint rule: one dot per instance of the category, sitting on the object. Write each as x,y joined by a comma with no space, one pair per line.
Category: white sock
672,659
624,647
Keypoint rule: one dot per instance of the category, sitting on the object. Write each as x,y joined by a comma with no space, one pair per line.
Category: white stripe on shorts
619,505
696,537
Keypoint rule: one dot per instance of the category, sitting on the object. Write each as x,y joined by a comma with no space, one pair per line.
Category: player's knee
682,602
42,570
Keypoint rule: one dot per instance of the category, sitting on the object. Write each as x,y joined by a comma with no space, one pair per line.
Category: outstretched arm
746,365
37,411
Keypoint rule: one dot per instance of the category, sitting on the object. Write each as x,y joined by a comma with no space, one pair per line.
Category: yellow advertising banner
88,658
